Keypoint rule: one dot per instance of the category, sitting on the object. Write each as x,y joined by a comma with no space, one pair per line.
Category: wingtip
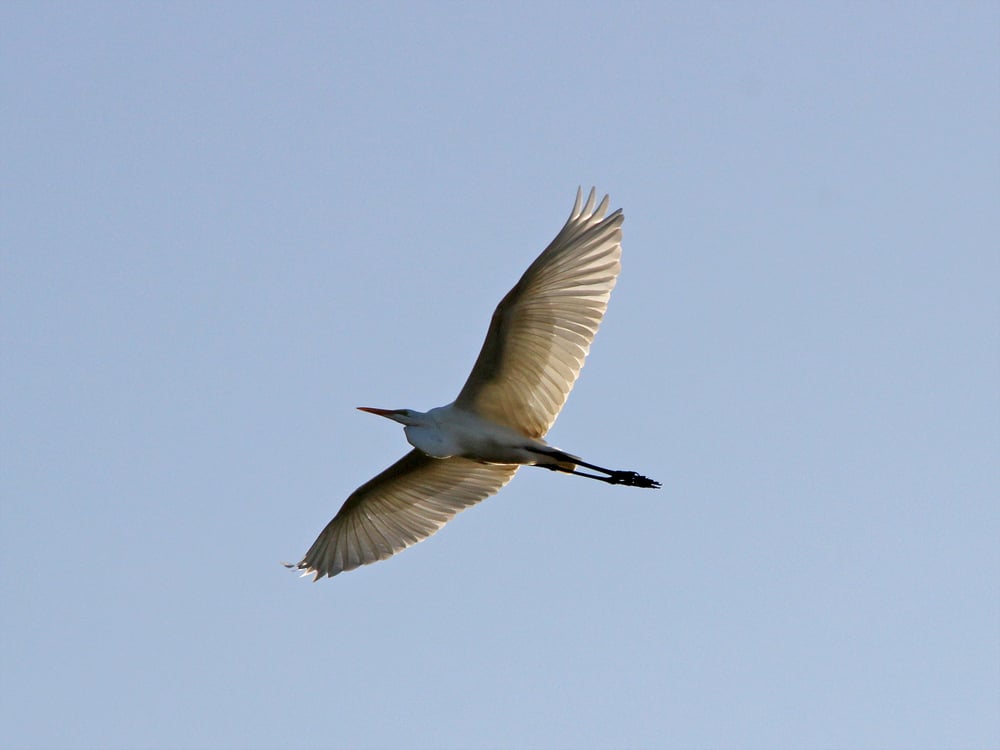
602,208
590,208
577,203
304,570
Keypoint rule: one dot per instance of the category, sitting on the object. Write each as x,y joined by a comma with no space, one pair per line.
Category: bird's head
403,416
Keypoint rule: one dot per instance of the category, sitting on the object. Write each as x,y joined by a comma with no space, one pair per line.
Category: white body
452,431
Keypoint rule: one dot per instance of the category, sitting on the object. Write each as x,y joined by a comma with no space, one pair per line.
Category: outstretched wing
542,330
403,505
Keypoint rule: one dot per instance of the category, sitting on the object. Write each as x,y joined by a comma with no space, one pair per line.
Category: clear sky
226,225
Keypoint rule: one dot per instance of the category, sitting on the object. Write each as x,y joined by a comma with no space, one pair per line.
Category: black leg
627,478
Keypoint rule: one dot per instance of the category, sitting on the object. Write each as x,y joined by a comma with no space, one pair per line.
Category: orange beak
380,412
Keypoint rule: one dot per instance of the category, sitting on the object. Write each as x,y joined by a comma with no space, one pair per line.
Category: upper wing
542,330
403,505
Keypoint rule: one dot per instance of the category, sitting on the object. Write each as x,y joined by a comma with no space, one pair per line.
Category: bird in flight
467,450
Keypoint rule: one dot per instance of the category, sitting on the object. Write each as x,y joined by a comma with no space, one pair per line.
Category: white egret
467,450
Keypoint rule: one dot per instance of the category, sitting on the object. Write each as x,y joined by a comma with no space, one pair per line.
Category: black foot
632,479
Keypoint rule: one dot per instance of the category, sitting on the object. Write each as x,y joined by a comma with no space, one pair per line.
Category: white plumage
466,451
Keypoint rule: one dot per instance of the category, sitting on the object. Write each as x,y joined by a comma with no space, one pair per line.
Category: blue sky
225,226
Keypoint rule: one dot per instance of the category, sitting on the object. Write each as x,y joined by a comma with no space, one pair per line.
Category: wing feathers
541,331
403,505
